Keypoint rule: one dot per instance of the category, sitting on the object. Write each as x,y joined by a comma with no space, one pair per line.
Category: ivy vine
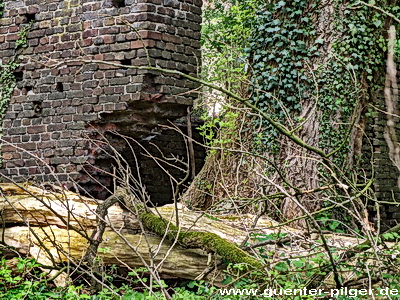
9,67
284,48
283,43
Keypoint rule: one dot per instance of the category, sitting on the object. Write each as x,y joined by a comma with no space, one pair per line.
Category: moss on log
207,241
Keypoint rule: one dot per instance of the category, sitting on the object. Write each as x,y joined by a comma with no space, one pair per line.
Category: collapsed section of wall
59,101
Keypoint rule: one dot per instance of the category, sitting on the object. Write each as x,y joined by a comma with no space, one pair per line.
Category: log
34,206
27,204
36,220
180,262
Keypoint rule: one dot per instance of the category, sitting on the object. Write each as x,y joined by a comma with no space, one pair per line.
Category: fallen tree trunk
67,245
56,227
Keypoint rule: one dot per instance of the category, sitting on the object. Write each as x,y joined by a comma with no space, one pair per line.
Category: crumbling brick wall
379,165
60,102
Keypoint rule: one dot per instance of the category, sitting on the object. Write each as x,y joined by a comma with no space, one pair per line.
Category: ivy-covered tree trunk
317,65
302,169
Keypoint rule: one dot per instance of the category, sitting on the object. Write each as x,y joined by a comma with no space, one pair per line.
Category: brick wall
376,158
59,105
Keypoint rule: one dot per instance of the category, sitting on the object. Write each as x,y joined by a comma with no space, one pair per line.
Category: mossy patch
209,242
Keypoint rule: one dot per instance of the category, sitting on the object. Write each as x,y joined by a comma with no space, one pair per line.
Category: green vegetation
284,42
7,77
292,67
219,131
226,30
303,74
24,280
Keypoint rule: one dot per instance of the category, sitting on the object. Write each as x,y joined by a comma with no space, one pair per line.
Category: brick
109,30
119,81
109,39
59,160
141,44
90,84
7,156
90,33
120,46
12,37
171,3
36,33
151,35
36,129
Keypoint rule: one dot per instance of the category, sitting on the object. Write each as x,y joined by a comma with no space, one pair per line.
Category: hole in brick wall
59,87
18,75
118,3
37,107
30,17
126,62
26,89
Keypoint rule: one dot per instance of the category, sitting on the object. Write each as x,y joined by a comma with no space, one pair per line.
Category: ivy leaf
298,263
319,41
378,22
227,280
280,4
272,29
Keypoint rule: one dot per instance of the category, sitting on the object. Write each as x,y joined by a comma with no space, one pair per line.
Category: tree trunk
56,227
302,167
317,65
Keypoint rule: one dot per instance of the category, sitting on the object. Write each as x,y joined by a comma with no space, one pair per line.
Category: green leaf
388,236
281,267
228,279
298,263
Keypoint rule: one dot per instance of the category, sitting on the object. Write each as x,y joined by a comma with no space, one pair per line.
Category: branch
97,235
379,9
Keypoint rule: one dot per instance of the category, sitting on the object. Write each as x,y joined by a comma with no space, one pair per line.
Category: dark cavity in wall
59,87
26,90
29,17
18,75
154,163
118,3
126,62
37,107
